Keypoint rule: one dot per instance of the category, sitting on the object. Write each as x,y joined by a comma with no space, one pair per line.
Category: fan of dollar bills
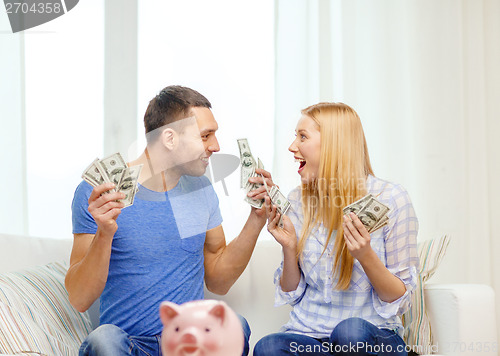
371,212
113,169
248,166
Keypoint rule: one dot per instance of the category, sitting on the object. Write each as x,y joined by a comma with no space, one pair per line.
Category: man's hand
105,208
260,193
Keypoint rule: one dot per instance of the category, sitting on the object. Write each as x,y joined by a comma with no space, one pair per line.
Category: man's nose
213,146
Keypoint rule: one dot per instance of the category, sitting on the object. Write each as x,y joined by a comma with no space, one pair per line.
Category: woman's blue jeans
110,340
353,336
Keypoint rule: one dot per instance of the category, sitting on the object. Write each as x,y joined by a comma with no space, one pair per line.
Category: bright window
225,50
64,112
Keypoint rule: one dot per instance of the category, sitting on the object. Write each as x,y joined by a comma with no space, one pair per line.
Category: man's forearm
86,279
233,259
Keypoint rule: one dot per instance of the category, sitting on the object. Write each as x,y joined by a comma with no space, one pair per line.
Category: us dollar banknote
247,161
94,174
371,212
128,184
248,167
278,199
113,169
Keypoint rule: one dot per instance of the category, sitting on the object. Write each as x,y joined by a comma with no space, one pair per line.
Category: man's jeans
110,340
353,336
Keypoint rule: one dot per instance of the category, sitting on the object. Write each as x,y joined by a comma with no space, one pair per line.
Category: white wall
423,75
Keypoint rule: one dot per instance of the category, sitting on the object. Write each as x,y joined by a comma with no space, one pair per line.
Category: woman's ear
169,138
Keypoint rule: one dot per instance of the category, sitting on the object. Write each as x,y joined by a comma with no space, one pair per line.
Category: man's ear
169,138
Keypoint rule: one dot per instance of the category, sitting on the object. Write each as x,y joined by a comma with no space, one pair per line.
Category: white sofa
462,316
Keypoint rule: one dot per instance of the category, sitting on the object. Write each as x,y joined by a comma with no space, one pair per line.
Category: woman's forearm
388,287
290,276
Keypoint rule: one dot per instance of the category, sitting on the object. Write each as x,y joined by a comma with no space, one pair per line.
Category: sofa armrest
463,318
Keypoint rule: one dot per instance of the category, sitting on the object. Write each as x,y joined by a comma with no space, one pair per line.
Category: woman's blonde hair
344,166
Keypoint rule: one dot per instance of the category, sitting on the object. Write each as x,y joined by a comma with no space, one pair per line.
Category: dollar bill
371,212
248,167
247,162
279,200
128,184
357,205
384,221
252,186
114,169
94,174
113,166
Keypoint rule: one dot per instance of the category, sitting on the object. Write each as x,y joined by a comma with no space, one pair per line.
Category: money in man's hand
248,166
113,169
371,212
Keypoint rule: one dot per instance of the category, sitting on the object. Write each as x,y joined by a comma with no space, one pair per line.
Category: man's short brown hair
173,103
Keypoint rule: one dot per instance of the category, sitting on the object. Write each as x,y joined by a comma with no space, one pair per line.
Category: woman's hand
356,237
285,235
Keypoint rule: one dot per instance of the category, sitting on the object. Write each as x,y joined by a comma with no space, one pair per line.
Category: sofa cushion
417,327
35,313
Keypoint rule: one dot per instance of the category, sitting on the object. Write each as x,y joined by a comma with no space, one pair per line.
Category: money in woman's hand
371,212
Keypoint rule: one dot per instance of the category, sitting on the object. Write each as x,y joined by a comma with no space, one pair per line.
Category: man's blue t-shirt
157,251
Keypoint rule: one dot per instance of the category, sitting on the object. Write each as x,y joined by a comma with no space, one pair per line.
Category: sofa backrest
19,252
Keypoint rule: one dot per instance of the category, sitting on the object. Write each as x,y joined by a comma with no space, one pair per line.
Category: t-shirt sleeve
83,222
215,218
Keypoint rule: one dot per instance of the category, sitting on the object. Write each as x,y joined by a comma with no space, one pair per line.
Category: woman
348,288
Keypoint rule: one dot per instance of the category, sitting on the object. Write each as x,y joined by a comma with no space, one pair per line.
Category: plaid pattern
317,306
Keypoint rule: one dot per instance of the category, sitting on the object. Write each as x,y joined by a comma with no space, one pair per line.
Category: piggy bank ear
219,312
168,311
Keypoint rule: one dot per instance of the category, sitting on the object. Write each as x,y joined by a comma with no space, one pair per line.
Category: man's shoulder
82,191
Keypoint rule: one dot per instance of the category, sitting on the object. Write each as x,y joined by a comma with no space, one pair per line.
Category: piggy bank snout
189,336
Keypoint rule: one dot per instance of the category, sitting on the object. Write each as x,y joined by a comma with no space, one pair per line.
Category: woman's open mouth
302,163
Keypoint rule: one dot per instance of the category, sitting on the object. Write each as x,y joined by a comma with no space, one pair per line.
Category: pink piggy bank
200,328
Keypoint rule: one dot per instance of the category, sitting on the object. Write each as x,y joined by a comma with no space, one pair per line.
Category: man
167,243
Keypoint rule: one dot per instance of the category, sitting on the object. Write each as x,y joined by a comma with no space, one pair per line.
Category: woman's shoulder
376,185
386,191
